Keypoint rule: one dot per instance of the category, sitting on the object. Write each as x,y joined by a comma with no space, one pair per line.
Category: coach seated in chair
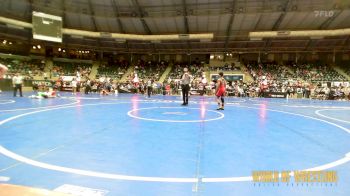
123,89
336,94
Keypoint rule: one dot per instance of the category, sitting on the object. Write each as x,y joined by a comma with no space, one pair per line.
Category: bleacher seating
267,77
195,69
70,69
26,68
316,73
150,70
347,70
226,67
112,70
269,70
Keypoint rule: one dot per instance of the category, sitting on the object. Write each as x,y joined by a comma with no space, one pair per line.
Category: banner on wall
274,95
228,77
343,84
67,78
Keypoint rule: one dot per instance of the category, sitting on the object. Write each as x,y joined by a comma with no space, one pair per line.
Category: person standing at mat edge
149,88
185,86
17,81
220,91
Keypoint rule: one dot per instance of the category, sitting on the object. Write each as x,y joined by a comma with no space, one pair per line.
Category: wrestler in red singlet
220,91
3,70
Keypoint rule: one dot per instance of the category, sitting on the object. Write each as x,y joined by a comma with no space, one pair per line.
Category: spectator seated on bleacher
27,68
226,67
150,70
113,70
70,69
196,71
316,72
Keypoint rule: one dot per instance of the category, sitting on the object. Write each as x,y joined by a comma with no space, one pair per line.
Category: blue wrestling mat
131,145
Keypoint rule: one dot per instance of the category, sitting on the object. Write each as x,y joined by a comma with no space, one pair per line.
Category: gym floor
131,145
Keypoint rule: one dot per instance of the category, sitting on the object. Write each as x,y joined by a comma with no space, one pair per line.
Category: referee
17,82
185,81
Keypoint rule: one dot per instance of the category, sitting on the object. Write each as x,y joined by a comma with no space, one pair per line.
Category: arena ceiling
230,21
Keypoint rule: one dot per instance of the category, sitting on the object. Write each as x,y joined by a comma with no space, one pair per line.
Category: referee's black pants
19,87
87,89
149,91
185,90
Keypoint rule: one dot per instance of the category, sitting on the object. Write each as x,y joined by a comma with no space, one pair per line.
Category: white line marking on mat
336,119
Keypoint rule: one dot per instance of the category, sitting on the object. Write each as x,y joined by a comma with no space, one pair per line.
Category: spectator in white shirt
74,86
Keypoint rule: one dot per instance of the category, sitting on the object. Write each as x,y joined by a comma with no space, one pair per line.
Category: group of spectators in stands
28,69
150,70
69,69
308,81
112,69
304,80
195,69
316,72
226,67
293,90
296,80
